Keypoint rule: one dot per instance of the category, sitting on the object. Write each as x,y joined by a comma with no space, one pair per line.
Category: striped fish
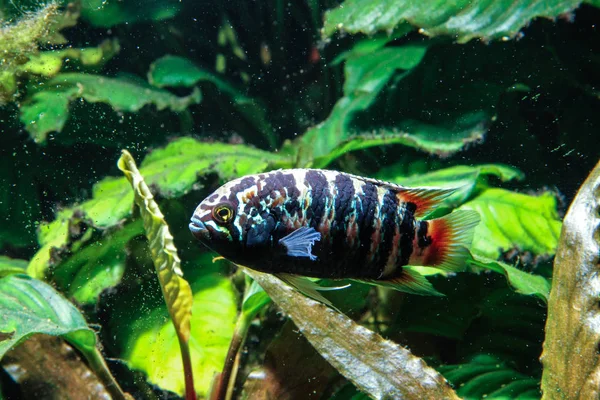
328,224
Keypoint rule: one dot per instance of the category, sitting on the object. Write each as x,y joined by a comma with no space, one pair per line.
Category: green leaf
254,300
523,282
48,110
49,63
98,265
375,365
468,180
173,170
180,72
29,306
366,75
150,342
9,266
512,220
176,290
488,377
107,13
462,20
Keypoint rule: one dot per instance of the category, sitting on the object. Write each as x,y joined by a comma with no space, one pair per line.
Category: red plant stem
190,392
239,335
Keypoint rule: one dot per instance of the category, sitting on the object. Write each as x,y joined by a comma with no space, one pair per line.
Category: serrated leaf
29,306
523,282
468,180
462,20
178,71
47,111
49,63
96,266
488,377
107,13
375,365
512,220
173,170
9,266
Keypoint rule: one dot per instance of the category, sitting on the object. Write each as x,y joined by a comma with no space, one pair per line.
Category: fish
312,223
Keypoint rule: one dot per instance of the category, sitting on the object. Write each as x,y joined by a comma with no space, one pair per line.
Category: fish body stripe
367,231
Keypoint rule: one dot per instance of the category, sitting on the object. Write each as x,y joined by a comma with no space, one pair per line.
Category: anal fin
309,288
409,281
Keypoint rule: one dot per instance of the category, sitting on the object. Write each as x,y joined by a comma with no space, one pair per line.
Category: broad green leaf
468,180
173,170
9,266
523,282
96,266
178,71
488,377
463,20
107,13
29,306
375,365
512,220
48,110
150,342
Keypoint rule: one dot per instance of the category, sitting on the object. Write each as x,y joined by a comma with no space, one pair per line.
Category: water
497,100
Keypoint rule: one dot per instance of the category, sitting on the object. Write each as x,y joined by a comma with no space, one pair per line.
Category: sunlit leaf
178,71
176,290
174,170
94,267
523,282
512,220
462,20
48,110
29,306
487,377
149,341
375,365
9,266
49,63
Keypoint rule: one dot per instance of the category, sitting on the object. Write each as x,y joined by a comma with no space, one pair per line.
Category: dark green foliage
481,96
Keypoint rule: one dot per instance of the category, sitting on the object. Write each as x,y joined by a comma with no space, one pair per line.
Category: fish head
235,222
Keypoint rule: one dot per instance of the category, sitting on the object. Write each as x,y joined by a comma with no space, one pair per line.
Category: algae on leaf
121,94
462,20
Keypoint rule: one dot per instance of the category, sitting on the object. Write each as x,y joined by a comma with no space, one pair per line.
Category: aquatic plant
497,99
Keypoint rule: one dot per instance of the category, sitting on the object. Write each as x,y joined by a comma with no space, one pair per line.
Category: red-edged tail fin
443,242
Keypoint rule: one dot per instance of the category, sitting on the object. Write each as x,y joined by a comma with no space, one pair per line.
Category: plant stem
229,369
98,365
190,392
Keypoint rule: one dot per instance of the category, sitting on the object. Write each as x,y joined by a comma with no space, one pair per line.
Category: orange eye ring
223,213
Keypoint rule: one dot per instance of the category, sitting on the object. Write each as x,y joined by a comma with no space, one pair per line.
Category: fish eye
223,213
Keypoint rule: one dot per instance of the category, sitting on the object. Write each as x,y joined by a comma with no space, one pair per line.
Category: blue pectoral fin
300,242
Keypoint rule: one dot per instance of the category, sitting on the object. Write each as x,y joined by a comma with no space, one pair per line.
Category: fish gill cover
497,100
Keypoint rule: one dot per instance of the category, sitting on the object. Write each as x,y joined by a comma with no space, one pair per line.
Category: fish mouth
198,229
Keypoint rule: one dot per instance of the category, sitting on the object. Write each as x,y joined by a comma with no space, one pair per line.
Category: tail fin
443,242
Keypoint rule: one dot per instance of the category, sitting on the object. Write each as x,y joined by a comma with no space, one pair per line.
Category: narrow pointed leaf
376,366
176,290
